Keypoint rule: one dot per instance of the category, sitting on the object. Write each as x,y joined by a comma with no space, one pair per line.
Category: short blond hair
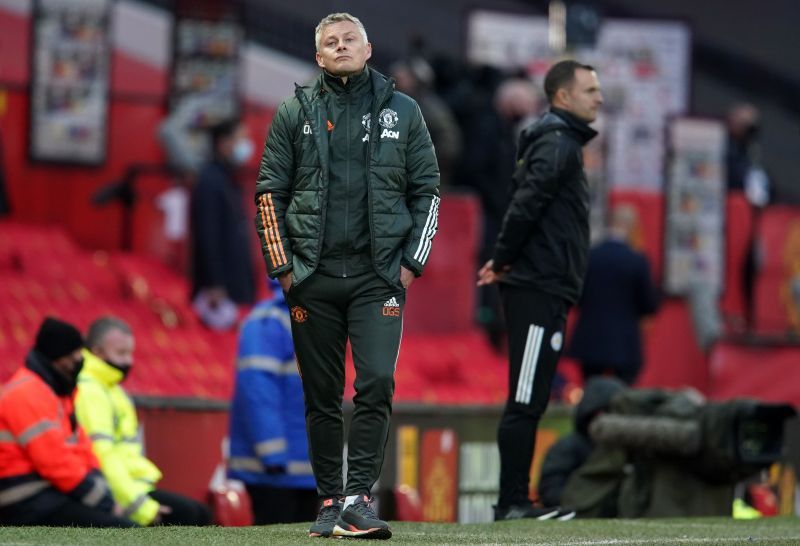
334,18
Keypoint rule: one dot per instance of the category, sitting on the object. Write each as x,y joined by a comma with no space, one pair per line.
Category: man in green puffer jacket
348,202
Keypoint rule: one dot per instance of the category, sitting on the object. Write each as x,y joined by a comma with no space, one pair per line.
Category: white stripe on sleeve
428,230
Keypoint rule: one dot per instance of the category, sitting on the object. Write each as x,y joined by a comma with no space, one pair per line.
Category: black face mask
124,368
67,381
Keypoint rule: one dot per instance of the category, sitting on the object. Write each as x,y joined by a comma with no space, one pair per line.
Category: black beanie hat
56,338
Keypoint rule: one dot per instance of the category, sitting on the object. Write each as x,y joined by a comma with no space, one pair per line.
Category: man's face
116,348
228,144
69,365
342,49
583,98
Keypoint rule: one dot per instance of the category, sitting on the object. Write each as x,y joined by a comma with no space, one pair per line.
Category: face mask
70,379
124,368
242,151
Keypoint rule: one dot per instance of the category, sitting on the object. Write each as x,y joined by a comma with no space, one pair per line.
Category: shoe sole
319,535
544,517
374,533
566,517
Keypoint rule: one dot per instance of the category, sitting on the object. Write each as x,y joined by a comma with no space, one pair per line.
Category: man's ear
319,60
563,96
369,51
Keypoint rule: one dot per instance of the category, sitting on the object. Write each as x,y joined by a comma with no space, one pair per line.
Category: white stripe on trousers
529,360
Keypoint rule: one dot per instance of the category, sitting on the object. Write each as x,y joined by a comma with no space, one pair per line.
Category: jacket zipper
371,143
346,184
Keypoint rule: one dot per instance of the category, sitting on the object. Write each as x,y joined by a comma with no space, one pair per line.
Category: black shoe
359,521
326,518
529,511
566,514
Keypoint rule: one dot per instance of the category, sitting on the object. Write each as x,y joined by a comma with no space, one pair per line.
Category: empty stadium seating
443,358
44,273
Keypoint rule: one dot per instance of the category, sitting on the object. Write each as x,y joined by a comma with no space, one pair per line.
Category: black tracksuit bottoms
535,322
326,312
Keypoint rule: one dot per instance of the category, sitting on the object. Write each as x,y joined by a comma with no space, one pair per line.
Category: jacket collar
356,85
41,366
381,86
100,370
578,126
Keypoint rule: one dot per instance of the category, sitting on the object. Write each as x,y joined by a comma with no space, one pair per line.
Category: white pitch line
656,540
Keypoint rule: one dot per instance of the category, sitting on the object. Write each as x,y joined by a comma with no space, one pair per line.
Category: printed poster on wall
695,200
643,68
70,80
205,76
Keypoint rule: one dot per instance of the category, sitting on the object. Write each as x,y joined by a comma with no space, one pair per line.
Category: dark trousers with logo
326,312
535,337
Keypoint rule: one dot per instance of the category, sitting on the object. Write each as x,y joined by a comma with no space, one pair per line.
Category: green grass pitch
706,531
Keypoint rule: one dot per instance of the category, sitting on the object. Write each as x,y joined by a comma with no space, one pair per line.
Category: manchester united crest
299,314
387,118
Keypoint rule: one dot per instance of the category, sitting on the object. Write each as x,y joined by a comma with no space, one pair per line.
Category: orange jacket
41,446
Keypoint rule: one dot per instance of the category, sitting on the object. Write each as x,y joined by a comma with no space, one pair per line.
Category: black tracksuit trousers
535,322
326,312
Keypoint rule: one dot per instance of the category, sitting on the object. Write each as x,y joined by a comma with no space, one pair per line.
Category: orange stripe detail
272,230
275,223
271,234
263,210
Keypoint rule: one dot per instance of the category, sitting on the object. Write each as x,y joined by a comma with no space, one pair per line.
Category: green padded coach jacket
402,183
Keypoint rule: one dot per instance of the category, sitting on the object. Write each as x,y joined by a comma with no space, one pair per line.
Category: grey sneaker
359,521
326,518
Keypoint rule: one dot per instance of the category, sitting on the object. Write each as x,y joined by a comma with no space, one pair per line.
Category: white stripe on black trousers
533,317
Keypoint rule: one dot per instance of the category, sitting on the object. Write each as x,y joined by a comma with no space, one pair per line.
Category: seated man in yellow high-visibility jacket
109,418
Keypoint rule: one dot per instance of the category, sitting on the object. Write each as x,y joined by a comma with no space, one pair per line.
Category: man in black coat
617,293
222,270
540,260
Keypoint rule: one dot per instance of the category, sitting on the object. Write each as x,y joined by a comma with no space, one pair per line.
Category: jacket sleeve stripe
433,229
299,468
271,447
251,464
267,364
35,430
428,231
96,493
256,362
267,235
134,506
277,314
21,492
275,227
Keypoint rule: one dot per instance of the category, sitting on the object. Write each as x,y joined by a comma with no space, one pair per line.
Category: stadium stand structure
444,359
45,273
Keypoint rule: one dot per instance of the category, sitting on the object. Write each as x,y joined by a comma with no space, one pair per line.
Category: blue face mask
242,151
